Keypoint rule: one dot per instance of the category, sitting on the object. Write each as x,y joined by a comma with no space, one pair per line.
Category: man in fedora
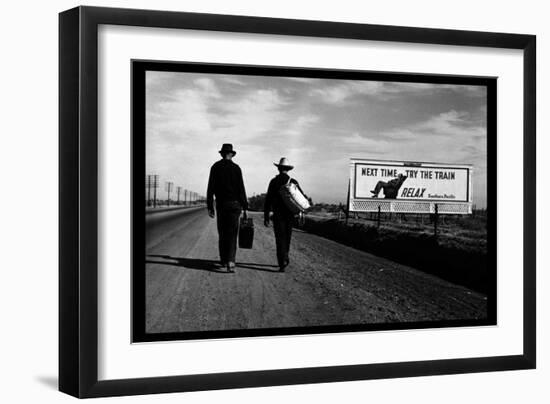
227,185
283,217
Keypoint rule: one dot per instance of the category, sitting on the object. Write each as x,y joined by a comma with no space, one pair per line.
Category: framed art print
339,191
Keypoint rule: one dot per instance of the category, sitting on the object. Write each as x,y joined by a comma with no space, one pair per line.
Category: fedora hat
283,163
227,148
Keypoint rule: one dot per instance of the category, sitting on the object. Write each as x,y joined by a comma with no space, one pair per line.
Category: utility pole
148,186
152,181
169,187
178,189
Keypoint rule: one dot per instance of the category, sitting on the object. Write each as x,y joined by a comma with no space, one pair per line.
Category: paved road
326,283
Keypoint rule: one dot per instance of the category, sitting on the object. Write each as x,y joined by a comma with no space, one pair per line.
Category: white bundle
295,201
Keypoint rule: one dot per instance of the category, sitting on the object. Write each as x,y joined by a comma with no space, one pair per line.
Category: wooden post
436,218
148,190
378,218
348,202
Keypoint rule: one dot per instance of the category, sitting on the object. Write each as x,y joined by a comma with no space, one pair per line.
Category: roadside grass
458,254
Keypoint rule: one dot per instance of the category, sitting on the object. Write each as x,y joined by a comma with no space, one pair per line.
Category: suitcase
246,232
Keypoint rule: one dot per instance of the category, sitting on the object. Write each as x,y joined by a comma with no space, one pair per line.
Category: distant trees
327,207
256,202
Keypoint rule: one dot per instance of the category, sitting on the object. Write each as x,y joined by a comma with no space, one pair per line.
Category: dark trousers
228,229
282,226
379,186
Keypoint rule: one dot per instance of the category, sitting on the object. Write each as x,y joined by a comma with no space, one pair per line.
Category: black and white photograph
281,201
278,204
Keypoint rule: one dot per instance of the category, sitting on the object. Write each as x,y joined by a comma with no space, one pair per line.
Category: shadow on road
191,263
206,265
257,267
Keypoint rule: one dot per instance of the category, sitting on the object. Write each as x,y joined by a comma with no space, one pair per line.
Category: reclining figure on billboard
391,188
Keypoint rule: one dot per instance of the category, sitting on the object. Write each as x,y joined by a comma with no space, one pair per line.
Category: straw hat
283,163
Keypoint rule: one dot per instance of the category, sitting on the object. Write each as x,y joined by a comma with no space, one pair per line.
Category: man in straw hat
227,185
282,216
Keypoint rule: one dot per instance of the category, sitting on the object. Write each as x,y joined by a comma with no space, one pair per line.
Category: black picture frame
78,204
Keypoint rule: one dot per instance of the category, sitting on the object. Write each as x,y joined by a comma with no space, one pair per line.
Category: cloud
451,124
202,110
185,111
433,88
298,126
208,87
340,92
232,80
372,146
300,79
154,78
345,90
446,137
256,113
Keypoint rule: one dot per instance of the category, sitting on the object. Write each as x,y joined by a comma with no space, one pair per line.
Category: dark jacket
226,183
392,187
397,182
273,200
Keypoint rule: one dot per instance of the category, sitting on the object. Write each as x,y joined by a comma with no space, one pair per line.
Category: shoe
374,194
283,266
230,266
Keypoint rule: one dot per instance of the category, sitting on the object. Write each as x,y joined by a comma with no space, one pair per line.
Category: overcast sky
317,124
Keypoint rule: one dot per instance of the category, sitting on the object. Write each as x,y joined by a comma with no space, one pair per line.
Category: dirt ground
326,283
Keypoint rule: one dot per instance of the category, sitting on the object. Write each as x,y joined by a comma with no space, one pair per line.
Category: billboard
415,187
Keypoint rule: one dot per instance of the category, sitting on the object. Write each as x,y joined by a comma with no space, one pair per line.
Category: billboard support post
378,217
436,219
347,204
